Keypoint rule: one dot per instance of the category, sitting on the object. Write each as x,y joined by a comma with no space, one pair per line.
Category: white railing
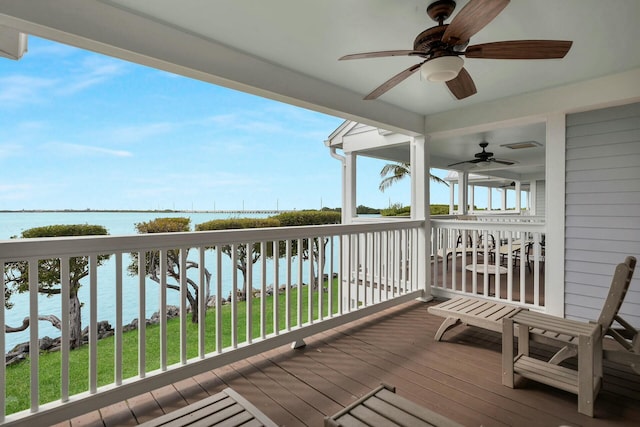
369,267
495,260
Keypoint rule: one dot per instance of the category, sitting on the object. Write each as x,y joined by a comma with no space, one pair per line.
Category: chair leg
563,354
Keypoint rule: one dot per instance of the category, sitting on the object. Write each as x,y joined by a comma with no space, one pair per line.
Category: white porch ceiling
288,50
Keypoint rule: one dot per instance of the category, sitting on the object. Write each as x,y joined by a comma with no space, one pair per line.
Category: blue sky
80,130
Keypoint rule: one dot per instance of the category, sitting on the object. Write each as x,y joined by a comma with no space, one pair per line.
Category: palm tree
398,171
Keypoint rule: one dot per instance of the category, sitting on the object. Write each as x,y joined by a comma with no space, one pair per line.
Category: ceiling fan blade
382,54
462,86
502,162
459,163
520,49
393,81
471,19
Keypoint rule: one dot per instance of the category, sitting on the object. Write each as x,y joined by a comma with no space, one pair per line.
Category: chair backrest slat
619,286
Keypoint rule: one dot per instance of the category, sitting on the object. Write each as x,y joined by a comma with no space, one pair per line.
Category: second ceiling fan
484,157
442,46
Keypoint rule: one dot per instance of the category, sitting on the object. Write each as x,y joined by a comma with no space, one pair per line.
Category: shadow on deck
459,377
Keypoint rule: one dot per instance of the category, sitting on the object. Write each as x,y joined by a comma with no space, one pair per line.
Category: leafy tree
394,172
310,217
362,209
17,276
152,261
244,258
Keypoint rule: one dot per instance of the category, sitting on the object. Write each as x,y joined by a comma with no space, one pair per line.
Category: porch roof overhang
288,52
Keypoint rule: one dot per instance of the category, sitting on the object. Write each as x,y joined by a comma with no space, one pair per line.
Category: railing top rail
483,225
84,245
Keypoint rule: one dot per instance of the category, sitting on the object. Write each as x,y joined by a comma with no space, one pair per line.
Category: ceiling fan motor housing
441,10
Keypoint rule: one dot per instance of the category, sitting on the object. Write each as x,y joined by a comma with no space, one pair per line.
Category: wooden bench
383,407
226,408
472,311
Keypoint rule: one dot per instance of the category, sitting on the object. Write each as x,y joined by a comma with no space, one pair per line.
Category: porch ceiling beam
13,43
530,107
104,28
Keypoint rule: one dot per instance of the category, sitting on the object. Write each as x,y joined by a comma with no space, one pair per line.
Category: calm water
117,223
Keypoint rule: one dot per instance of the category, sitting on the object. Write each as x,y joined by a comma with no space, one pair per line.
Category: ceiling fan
442,46
485,157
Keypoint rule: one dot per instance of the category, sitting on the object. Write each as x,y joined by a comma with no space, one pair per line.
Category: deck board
458,377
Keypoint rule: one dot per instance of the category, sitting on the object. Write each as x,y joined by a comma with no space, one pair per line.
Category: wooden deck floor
458,377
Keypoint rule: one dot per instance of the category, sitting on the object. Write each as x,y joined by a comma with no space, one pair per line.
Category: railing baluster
331,308
249,294
65,291
276,288
388,259
463,260
183,305
474,260
287,291
263,290
34,349
117,342
162,290
299,300
536,270
358,267
311,280
93,323
142,323
203,295
348,256
218,251
234,296
321,262
364,251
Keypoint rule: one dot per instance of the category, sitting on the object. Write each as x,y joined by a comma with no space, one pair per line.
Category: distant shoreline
239,211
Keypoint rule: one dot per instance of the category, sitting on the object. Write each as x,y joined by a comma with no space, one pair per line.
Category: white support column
503,201
555,154
518,196
533,191
463,184
350,188
452,197
472,198
420,210
489,196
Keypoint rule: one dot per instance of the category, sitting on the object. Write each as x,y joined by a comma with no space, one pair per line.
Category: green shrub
308,217
236,223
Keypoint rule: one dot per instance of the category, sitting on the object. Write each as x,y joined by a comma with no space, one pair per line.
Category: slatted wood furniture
227,408
383,407
580,339
472,311
628,351
585,382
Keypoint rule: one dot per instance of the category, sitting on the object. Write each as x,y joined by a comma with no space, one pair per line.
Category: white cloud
17,90
85,150
10,150
135,133
93,71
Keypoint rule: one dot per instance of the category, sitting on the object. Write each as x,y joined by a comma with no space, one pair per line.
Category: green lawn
17,376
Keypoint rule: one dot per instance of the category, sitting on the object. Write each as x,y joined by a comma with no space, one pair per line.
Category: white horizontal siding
602,208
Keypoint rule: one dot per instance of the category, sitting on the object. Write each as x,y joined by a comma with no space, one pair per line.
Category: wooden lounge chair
581,339
489,314
226,408
626,335
383,407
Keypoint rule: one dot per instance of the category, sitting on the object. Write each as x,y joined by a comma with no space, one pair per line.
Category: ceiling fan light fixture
441,69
